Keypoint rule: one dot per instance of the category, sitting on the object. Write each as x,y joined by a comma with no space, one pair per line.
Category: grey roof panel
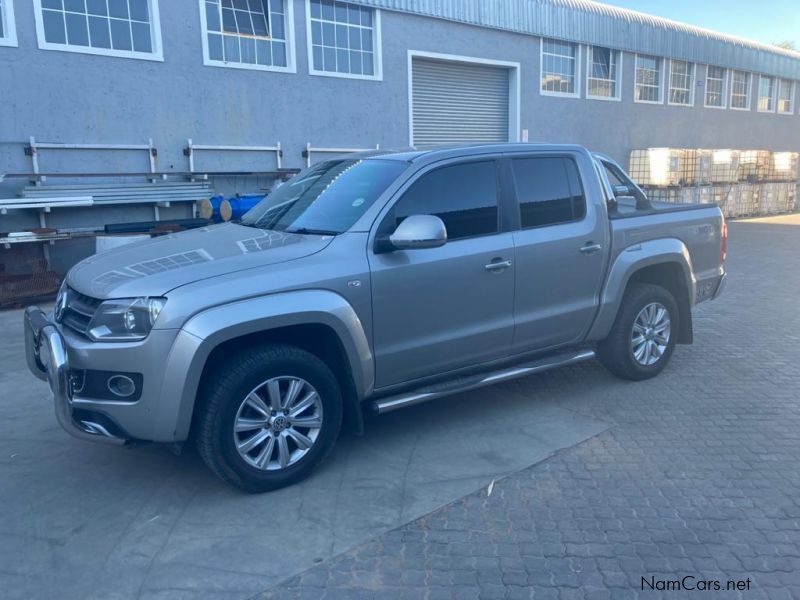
591,22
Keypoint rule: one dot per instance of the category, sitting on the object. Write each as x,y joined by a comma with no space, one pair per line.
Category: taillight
723,248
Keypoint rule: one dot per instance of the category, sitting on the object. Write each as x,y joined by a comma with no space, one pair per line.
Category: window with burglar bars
127,28
246,34
766,94
681,83
715,87
603,73
559,68
648,79
740,90
785,96
344,39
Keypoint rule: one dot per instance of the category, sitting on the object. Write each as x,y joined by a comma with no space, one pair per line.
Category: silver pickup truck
377,281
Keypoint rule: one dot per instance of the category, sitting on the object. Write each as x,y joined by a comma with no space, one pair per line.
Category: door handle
591,248
498,265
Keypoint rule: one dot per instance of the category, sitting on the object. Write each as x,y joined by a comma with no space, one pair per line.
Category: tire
237,394
618,352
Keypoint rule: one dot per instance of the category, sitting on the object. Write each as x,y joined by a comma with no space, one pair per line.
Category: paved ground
79,520
694,473
698,476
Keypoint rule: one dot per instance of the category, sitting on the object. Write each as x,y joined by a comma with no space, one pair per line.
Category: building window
559,64
123,28
766,94
247,34
715,87
681,83
740,90
785,96
8,30
344,40
648,79
603,73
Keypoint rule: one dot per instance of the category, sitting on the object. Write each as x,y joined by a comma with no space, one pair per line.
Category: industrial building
219,95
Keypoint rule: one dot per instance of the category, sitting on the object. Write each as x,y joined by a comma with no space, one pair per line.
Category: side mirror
419,231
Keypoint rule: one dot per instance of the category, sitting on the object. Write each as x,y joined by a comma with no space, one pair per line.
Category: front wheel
269,416
642,339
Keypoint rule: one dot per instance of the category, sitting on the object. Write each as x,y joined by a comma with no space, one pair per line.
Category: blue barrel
210,209
235,208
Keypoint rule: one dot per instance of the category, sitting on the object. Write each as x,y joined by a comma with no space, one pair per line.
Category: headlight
125,320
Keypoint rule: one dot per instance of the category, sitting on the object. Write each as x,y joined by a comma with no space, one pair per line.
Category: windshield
326,198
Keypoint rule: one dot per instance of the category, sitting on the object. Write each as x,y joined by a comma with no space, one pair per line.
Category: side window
549,191
464,196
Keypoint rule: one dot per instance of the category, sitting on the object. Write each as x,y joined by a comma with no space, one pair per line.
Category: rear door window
549,190
463,195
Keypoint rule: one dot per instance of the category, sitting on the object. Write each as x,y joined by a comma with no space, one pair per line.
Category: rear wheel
269,416
642,339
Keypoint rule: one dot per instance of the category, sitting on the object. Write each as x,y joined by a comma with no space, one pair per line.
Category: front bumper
46,353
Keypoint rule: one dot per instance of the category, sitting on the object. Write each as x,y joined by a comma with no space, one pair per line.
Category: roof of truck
453,151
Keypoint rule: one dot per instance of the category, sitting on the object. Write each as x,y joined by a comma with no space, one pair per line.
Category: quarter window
344,39
8,32
464,196
785,96
559,67
740,90
549,191
715,87
127,28
681,83
247,34
603,76
648,79
766,94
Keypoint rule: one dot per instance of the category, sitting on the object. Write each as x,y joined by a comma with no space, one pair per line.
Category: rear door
439,309
560,251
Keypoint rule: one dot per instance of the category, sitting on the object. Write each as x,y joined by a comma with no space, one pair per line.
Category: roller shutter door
458,103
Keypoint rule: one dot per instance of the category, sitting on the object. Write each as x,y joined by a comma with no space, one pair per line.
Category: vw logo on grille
61,305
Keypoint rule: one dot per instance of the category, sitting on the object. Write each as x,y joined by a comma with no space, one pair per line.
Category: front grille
79,311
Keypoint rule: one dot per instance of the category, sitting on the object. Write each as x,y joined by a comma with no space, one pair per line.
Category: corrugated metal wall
593,23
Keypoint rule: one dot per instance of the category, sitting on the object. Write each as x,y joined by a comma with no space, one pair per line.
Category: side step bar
390,403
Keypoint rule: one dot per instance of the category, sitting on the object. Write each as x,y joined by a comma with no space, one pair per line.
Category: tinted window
549,191
330,196
464,196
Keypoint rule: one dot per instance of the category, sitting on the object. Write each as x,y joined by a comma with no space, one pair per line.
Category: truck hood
154,267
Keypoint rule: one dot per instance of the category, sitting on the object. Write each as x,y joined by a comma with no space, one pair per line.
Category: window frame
661,60
291,63
157,55
578,67
377,47
617,97
723,92
792,98
692,84
748,93
517,205
9,37
774,97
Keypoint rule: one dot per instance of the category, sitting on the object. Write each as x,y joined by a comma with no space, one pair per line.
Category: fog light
121,385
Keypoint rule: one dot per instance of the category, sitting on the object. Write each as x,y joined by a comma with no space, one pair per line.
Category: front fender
207,329
628,262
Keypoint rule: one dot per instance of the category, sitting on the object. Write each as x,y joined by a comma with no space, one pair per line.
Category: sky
766,21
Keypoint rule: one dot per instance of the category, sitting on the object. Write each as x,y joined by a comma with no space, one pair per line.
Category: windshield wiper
307,231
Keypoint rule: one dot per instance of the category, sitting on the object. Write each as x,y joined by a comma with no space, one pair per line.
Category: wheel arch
665,262
319,321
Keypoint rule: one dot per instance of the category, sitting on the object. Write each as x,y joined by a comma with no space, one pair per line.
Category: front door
439,309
